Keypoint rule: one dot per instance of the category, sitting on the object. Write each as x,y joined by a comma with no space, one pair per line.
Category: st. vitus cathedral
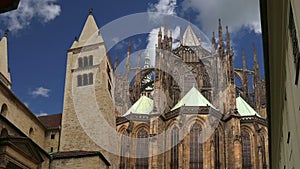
184,111
178,95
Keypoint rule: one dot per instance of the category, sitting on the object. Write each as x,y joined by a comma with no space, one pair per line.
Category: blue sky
43,31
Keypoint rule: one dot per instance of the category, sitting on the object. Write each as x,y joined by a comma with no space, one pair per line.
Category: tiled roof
51,121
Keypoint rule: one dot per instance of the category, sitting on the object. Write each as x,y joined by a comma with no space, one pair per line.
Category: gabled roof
193,98
143,106
244,108
189,37
51,121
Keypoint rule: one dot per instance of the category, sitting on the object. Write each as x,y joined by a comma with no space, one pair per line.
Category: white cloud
40,91
166,7
234,13
153,37
42,114
43,10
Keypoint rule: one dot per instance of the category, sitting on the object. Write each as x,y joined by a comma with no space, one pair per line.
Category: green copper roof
244,108
193,98
143,106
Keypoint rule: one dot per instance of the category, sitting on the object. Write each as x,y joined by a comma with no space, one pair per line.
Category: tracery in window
142,150
246,150
217,150
174,149
124,163
196,147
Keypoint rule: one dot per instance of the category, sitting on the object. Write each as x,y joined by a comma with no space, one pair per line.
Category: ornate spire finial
227,40
244,59
6,33
213,40
91,11
166,26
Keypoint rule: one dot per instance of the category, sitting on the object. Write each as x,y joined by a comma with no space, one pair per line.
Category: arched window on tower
79,80
85,79
196,147
124,163
4,133
91,62
90,78
85,61
80,64
174,147
4,110
246,150
30,132
217,150
142,149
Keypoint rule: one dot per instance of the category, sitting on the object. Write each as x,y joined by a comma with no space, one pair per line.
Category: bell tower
4,72
89,86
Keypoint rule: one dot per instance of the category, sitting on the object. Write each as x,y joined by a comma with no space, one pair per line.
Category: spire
221,43
139,60
90,28
166,27
128,66
244,60
159,39
190,38
147,60
245,78
227,40
256,65
213,39
4,72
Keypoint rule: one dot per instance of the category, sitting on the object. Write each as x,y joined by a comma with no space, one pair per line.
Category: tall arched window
196,147
85,79
124,149
174,149
91,60
80,64
246,150
85,62
142,150
263,151
90,78
217,150
79,80
4,109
